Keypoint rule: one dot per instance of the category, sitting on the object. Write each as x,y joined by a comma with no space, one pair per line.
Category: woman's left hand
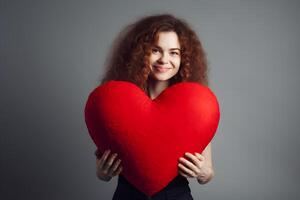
195,166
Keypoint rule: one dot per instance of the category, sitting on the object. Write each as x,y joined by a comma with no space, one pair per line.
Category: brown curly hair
128,59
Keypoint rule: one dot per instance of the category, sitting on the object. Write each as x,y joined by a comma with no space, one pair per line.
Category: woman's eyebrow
169,49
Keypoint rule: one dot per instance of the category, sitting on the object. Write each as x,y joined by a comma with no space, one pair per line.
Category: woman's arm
197,165
208,170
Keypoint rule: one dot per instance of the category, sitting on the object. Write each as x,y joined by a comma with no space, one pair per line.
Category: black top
177,189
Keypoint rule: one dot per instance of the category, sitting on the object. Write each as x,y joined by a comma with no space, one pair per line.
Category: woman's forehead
168,40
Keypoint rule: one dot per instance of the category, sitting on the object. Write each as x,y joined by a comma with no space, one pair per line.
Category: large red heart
150,135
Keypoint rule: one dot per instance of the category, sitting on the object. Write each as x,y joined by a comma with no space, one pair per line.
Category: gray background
52,55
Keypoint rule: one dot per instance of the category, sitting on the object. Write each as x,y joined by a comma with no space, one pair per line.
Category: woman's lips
161,69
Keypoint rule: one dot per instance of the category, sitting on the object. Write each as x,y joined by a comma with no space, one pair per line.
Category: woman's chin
161,78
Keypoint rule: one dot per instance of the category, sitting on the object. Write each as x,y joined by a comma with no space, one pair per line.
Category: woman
155,53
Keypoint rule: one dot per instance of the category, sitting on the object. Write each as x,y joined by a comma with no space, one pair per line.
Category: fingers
185,171
190,167
109,161
183,174
188,164
108,165
195,160
199,156
103,158
114,167
118,171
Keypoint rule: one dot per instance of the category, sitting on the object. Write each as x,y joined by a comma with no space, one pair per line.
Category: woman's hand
107,165
195,166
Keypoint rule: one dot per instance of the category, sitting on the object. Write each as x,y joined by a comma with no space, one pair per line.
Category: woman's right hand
107,165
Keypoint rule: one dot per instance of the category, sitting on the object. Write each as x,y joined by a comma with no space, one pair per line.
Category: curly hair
129,56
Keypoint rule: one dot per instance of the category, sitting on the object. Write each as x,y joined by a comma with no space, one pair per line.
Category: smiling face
165,56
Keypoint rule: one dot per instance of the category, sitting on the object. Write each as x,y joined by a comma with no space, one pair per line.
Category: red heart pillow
150,135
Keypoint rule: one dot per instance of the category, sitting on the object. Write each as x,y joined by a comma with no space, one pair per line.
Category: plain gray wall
52,54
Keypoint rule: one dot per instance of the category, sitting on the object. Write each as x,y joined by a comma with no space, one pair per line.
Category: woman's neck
156,87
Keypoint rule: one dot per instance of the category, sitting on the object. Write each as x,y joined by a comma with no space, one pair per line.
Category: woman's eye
174,53
155,50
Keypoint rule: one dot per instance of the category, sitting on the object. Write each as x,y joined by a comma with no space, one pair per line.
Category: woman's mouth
161,69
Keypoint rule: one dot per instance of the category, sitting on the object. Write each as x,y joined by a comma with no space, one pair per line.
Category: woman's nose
163,58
